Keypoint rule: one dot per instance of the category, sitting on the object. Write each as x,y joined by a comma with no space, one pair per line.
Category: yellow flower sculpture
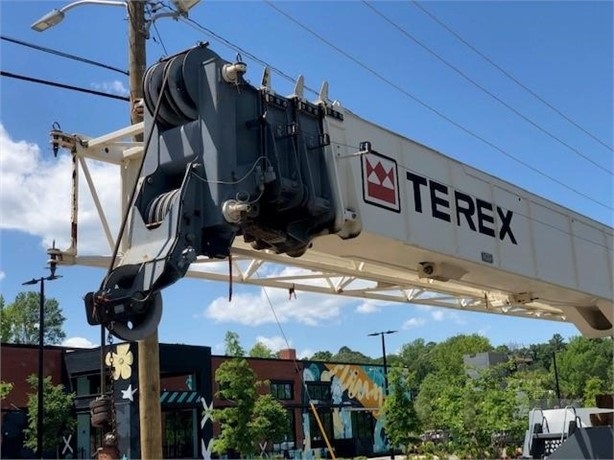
120,361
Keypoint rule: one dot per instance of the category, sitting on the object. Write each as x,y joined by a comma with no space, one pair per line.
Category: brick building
347,398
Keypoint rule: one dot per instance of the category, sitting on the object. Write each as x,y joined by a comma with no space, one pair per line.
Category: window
326,418
282,390
319,391
362,424
177,433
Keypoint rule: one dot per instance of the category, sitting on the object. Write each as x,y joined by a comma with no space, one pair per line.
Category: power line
508,74
62,85
191,22
62,54
432,109
482,88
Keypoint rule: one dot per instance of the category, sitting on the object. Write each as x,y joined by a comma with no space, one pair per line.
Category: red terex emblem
380,184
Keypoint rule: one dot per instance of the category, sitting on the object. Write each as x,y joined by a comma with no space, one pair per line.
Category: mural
353,389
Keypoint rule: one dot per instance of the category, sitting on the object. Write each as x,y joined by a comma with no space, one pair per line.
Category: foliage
260,350
20,320
322,356
347,355
58,416
594,386
237,384
5,389
416,358
232,346
269,419
400,418
250,418
583,359
447,356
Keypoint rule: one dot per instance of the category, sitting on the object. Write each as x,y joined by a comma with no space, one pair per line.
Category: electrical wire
62,85
191,22
63,54
482,88
434,110
509,74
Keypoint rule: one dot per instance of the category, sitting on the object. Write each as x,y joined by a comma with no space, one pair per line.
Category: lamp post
41,336
382,334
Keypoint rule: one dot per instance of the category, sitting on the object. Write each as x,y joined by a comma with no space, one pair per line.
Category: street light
41,335
55,16
382,334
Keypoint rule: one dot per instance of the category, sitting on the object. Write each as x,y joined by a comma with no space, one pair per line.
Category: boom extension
223,159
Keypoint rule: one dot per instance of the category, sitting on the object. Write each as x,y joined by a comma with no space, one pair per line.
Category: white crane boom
355,209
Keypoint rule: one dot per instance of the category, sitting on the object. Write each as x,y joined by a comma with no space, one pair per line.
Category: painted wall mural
353,389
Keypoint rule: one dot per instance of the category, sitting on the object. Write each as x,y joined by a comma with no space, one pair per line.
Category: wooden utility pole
149,359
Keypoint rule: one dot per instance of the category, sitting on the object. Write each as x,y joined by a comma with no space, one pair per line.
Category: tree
237,384
232,346
250,418
260,350
269,420
58,415
322,356
400,418
347,355
416,358
447,356
582,359
5,389
20,320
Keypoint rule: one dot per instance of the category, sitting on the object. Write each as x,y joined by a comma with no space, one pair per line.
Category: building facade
343,399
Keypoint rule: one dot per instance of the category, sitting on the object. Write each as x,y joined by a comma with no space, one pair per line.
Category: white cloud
442,314
255,309
413,322
373,306
35,196
112,87
274,343
304,354
78,342
2,275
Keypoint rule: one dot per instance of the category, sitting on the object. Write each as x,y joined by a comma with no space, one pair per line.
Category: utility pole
149,360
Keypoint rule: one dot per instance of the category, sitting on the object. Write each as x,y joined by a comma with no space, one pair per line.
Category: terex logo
477,214
380,183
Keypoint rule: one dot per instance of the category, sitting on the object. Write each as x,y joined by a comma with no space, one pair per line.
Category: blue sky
561,51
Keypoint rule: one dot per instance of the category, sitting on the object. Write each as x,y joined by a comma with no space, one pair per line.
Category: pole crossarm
315,271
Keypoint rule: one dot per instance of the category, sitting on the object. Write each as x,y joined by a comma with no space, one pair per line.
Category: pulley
174,82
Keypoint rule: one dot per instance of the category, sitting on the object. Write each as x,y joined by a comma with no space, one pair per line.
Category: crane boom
301,181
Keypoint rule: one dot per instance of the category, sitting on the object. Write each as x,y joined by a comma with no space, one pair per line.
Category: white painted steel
560,267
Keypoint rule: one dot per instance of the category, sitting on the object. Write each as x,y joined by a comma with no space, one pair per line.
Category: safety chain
111,368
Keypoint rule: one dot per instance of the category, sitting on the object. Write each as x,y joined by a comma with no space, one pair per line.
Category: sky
522,90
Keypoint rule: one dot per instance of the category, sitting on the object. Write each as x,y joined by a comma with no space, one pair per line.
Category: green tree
347,355
269,419
322,356
59,417
5,389
400,418
237,384
232,345
20,320
447,356
416,358
250,418
594,386
582,359
260,350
